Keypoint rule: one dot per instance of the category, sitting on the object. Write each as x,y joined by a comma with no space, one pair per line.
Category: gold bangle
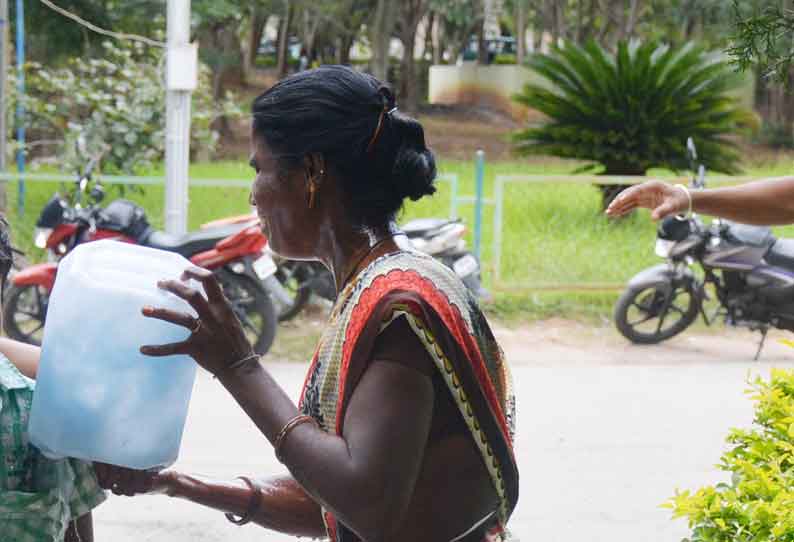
289,426
253,504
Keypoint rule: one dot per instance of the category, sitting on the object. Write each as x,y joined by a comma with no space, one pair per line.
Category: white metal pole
177,138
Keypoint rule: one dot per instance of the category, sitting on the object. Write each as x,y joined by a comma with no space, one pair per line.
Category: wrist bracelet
688,214
253,504
289,426
237,364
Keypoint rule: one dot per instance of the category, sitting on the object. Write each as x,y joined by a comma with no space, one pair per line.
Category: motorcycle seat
424,227
781,254
191,243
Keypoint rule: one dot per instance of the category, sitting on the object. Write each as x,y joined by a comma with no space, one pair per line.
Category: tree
764,36
459,21
631,111
380,37
412,13
51,38
521,30
257,17
216,25
285,20
329,29
116,101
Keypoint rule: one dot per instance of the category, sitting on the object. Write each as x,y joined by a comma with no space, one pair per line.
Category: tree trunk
412,14
408,94
283,39
310,27
256,30
223,44
609,17
429,44
634,8
438,48
380,37
521,31
559,18
589,30
482,45
540,26
345,44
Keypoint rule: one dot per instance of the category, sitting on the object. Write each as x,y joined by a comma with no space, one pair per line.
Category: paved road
600,447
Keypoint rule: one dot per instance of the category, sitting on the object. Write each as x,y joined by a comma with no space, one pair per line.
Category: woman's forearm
24,356
283,504
765,202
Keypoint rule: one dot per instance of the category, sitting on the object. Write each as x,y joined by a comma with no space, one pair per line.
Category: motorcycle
299,280
235,253
750,271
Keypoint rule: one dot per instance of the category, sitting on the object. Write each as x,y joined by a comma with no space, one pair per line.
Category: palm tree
630,111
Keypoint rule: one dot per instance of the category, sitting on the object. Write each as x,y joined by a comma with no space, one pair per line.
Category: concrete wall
473,84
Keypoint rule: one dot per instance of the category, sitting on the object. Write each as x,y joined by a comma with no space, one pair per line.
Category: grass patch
522,308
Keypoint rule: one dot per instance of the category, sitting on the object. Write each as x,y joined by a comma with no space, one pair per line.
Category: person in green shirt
41,500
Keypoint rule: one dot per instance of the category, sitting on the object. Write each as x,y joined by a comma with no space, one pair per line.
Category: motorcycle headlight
664,247
40,236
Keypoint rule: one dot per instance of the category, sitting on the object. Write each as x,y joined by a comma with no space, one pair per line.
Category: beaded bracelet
289,426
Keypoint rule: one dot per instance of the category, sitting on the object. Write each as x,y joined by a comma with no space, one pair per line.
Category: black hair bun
414,170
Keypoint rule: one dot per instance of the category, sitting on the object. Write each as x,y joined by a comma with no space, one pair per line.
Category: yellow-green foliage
758,503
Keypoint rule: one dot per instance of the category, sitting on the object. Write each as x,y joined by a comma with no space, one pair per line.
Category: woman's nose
251,199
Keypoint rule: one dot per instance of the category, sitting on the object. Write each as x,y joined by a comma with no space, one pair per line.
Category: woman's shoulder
407,267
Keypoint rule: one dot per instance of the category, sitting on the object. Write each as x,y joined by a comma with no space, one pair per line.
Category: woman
404,427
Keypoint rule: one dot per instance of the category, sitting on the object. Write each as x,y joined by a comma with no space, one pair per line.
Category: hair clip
392,110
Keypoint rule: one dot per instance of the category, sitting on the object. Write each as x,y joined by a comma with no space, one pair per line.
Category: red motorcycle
235,252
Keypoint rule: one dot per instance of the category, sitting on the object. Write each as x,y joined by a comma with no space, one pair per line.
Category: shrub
119,100
758,502
633,110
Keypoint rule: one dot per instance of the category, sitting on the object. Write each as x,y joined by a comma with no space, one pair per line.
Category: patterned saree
448,322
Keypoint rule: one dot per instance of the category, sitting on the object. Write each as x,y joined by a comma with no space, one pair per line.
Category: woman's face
281,200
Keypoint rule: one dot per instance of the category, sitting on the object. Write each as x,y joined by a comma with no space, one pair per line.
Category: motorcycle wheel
253,306
647,315
294,279
24,312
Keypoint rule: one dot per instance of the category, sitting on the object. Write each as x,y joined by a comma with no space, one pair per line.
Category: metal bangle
237,364
688,214
288,427
253,504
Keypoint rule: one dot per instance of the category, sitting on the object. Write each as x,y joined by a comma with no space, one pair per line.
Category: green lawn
552,234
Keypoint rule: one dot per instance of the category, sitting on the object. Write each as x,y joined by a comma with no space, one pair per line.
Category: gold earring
312,192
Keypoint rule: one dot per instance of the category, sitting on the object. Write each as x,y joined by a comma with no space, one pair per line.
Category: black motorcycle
750,271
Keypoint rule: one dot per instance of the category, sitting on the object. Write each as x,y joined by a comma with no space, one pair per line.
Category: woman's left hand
217,338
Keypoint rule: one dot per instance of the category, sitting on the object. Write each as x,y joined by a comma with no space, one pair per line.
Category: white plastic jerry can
97,397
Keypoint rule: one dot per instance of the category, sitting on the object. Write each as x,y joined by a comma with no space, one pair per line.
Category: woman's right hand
661,198
130,482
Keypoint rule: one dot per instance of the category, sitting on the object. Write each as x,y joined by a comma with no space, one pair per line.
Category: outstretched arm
764,202
280,504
